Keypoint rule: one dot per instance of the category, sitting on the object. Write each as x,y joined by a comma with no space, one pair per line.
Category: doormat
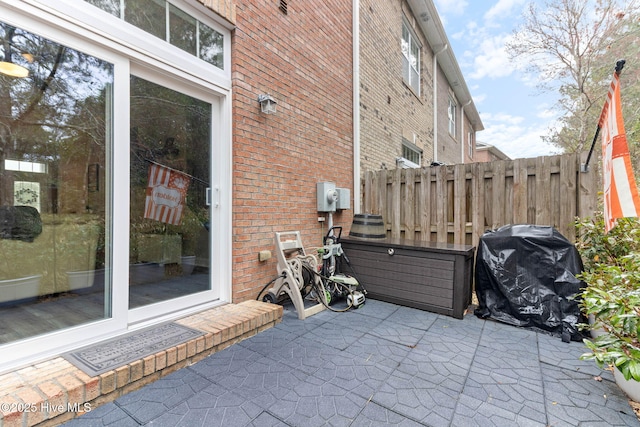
111,354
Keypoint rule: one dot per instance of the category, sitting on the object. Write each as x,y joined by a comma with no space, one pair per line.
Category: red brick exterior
303,59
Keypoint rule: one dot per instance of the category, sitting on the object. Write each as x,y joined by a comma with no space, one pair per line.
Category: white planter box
80,279
17,289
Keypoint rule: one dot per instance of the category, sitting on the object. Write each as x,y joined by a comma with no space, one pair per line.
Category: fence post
442,203
543,191
569,167
409,203
425,204
459,204
587,190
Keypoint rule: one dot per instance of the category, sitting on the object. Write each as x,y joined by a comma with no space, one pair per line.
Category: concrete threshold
55,391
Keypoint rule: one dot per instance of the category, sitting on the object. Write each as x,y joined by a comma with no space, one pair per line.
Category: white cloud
455,7
513,122
472,31
484,54
546,112
477,99
457,36
491,59
512,137
502,9
502,118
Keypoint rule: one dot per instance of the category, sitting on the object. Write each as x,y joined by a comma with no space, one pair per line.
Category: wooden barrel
368,226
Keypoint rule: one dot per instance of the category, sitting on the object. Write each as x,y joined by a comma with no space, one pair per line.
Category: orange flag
620,191
166,193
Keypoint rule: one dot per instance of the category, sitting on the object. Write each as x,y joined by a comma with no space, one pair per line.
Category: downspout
356,106
435,101
466,104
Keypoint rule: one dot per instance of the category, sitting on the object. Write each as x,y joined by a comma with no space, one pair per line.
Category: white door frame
79,25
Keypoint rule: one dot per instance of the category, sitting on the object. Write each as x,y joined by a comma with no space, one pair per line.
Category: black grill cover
526,276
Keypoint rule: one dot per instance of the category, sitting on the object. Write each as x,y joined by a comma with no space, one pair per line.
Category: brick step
55,391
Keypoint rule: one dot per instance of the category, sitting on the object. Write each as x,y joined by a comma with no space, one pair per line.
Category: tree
572,46
55,116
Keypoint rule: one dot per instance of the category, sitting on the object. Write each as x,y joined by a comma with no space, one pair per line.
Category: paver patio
382,364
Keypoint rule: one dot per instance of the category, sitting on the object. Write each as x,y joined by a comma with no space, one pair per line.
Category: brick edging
55,391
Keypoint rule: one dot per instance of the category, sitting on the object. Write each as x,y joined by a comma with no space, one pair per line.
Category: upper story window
471,143
164,20
410,58
451,113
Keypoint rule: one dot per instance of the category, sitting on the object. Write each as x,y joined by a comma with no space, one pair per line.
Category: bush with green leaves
598,248
612,292
612,296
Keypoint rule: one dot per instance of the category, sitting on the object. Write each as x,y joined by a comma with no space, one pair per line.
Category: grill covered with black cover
525,275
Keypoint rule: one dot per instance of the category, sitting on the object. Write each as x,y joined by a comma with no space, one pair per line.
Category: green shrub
597,248
612,292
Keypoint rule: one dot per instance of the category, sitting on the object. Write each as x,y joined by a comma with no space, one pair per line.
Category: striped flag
166,194
620,191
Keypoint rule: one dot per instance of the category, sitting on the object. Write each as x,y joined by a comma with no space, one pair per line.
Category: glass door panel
55,122
170,168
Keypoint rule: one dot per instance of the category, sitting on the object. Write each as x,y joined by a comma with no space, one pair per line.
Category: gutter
435,101
356,106
462,147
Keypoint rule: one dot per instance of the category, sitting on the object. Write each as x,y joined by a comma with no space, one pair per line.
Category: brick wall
224,8
389,109
484,156
304,60
448,145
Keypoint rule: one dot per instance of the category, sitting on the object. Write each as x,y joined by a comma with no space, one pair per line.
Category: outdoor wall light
267,104
13,70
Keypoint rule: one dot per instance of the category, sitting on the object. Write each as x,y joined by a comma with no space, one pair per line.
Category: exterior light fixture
267,104
13,70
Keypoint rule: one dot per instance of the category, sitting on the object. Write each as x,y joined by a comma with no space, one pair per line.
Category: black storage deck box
426,275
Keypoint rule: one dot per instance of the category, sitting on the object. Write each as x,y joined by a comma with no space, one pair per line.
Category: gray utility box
426,275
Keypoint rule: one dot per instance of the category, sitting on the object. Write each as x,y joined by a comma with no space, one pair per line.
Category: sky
514,113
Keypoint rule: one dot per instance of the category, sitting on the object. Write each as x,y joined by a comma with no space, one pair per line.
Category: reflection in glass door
170,217
55,145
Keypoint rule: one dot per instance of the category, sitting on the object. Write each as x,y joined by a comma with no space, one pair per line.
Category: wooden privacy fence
458,203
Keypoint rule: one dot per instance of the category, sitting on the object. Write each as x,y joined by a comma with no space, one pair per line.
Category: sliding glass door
55,144
115,178
169,235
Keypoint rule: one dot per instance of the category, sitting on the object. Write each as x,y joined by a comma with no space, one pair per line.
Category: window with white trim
471,143
411,153
182,30
451,114
410,58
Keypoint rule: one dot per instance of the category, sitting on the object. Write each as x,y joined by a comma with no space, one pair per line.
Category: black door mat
111,354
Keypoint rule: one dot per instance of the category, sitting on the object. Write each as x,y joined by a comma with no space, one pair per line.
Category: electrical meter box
344,199
327,196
